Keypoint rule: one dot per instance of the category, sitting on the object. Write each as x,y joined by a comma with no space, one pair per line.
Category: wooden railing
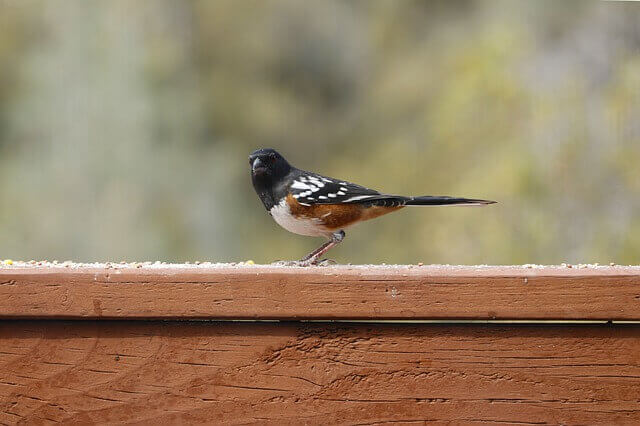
350,345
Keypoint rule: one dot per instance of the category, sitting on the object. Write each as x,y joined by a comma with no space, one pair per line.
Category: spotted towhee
310,204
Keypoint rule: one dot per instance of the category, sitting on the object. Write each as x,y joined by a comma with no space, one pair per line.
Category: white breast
301,226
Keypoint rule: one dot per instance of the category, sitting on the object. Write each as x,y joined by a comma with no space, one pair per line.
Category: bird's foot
316,262
305,262
286,263
302,263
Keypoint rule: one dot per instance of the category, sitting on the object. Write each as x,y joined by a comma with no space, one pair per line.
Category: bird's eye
272,158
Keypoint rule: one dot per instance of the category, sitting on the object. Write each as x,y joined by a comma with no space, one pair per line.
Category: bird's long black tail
430,200
383,200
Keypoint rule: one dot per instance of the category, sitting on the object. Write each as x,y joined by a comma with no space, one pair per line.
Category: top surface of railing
362,292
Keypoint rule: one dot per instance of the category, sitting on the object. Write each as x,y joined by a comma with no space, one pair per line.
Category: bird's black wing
310,188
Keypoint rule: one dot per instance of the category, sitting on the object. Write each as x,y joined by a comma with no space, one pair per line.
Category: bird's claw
286,263
305,262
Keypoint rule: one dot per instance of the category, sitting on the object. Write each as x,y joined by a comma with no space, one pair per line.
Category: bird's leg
312,258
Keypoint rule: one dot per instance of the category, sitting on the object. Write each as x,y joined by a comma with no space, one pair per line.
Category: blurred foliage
125,126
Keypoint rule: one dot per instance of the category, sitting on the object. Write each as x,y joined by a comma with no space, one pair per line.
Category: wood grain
137,372
340,292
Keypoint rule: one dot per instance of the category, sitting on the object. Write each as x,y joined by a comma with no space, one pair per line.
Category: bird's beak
258,166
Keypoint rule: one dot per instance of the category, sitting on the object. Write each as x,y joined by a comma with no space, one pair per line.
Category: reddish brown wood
114,372
340,292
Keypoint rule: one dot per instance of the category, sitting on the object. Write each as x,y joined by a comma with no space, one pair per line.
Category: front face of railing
321,293
99,366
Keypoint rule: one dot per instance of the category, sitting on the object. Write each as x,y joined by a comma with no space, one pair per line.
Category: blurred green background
125,126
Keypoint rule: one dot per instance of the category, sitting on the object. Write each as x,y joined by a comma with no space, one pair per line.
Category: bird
314,205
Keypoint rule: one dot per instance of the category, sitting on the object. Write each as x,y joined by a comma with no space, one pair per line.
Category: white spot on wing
317,182
299,185
358,197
